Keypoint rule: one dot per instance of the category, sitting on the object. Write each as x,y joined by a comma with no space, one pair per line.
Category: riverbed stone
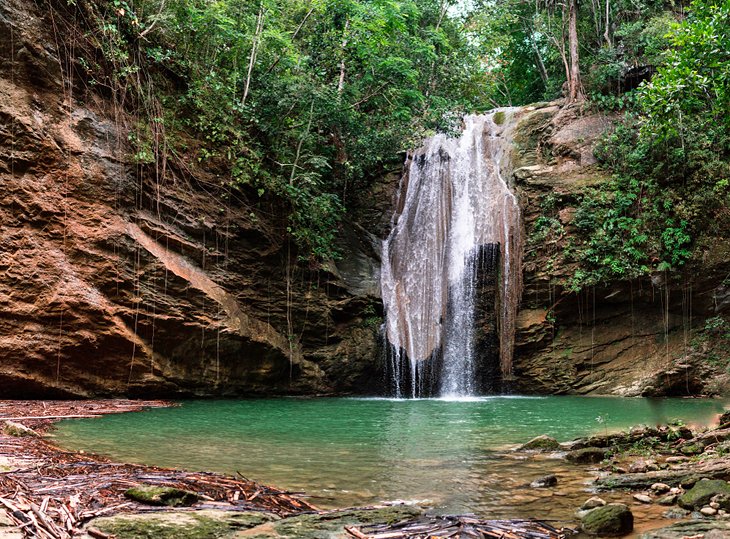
587,455
156,495
669,499
642,498
708,511
703,491
613,519
593,502
544,482
660,488
707,529
541,443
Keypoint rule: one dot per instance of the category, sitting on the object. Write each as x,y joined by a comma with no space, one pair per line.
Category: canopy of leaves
308,100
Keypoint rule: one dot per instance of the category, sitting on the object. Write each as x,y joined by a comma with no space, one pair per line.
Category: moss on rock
541,443
181,525
613,519
702,493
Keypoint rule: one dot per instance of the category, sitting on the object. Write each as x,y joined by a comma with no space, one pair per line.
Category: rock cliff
117,279
635,337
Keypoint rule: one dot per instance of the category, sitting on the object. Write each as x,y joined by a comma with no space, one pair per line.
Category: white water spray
453,202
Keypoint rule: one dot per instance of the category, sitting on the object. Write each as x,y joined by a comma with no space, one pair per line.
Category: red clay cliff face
111,283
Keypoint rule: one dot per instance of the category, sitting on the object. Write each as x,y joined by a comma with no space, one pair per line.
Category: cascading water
455,219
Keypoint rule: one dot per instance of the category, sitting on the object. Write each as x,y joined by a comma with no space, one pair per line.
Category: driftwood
460,527
62,490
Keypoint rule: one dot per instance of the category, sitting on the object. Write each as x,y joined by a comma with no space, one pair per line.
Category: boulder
156,495
587,455
613,519
703,491
541,443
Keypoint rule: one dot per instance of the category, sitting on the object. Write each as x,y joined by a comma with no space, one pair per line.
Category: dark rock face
587,455
614,519
117,280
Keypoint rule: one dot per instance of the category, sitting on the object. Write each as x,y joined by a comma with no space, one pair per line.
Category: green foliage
298,103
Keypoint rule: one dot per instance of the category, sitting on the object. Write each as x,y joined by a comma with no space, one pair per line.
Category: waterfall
456,221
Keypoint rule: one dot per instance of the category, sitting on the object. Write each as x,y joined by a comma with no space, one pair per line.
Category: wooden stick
352,530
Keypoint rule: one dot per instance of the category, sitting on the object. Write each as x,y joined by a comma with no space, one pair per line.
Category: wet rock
676,459
701,494
156,495
642,498
593,502
588,455
699,528
545,482
670,499
708,511
613,519
660,488
541,443
685,475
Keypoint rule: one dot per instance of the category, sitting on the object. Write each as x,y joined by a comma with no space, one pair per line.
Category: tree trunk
575,90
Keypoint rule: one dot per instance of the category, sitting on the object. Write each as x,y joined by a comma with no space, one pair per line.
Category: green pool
452,455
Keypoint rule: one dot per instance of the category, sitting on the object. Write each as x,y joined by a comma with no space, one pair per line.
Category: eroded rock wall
633,337
116,279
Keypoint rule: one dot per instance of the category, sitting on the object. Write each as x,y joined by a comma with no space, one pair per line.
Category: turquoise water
452,454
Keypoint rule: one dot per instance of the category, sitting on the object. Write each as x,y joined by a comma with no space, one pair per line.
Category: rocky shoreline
661,483
685,472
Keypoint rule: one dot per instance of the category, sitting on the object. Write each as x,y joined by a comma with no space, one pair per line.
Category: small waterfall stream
456,226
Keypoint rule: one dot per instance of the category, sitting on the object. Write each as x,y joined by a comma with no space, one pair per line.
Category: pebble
660,488
715,505
643,498
708,511
593,502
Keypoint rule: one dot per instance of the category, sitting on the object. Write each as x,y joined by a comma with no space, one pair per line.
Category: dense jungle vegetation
303,103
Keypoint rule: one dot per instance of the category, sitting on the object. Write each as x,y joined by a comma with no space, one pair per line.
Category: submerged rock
155,495
541,443
544,482
613,519
703,491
